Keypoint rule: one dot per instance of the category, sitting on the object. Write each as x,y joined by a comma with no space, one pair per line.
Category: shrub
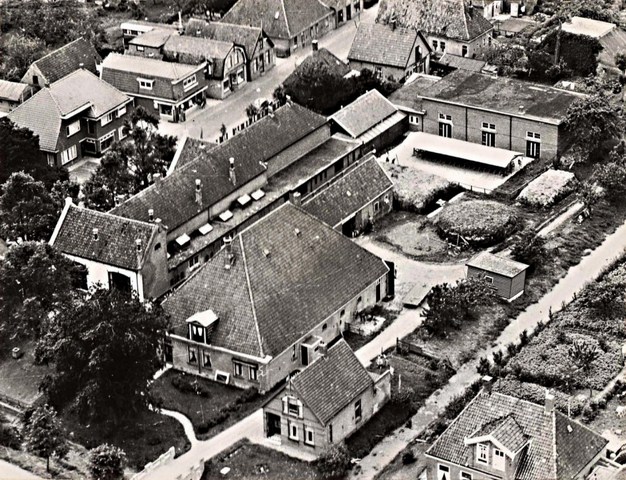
189,385
10,436
548,188
248,395
524,338
480,222
484,366
334,462
408,458
498,358
106,462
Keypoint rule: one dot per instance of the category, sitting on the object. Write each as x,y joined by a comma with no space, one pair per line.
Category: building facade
12,94
505,276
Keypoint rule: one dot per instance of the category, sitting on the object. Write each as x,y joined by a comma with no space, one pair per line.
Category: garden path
577,276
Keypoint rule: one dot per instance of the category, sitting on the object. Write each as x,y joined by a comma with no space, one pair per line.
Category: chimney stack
68,201
198,192
156,177
138,250
315,45
231,171
487,382
296,199
522,110
229,258
550,403
323,349
95,234
81,65
151,214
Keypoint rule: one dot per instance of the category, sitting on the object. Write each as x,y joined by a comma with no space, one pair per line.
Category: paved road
588,269
11,472
231,111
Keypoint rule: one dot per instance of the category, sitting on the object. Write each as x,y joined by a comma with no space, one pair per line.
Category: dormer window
145,83
196,333
482,453
200,326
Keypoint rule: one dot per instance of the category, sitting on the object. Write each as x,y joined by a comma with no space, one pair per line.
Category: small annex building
327,401
507,277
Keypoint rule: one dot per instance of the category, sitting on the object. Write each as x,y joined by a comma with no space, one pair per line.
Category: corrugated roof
12,91
349,194
554,452
116,242
380,44
364,113
149,67
295,271
331,382
452,19
495,264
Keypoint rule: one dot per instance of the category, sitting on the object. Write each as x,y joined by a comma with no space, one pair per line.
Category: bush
10,436
334,462
484,366
408,458
190,385
106,462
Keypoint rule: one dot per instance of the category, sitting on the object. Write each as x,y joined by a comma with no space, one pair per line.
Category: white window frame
534,136
482,448
488,138
140,48
253,376
145,84
446,118
69,154
489,127
465,475
121,111
308,431
190,82
293,432
414,119
489,279
442,470
206,356
360,409
105,120
104,138
192,359
120,133
238,369
73,128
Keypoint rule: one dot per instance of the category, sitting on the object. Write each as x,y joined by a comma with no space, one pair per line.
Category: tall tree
105,352
34,280
43,435
106,462
18,52
530,249
19,152
27,210
583,354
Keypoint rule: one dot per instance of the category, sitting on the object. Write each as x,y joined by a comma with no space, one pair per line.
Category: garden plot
548,188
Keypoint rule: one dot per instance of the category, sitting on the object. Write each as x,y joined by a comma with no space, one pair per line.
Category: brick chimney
95,234
229,257
296,199
151,214
198,191
314,45
550,403
487,382
138,250
156,177
231,171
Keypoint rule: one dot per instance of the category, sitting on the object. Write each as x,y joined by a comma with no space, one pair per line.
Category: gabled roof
154,38
380,44
245,36
505,432
263,139
290,273
68,58
149,67
13,91
495,264
364,113
452,19
81,89
558,448
349,194
278,18
198,46
331,382
117,236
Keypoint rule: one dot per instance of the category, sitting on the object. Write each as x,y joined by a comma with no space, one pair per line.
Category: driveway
231,111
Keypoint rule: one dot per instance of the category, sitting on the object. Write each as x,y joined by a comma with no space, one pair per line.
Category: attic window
258,194
226,215
206,228
145,83
244,200
183,240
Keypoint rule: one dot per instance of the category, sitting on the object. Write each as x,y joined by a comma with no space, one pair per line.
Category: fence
194,473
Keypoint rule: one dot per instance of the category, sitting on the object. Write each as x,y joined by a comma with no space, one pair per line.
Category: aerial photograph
313,239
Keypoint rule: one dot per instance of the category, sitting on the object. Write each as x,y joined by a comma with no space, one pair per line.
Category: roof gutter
75,111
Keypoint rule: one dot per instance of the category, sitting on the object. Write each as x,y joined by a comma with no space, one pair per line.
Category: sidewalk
588,269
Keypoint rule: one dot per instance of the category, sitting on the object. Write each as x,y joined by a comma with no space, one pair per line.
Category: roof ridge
249,285
282,4
465,15
108,214
60,48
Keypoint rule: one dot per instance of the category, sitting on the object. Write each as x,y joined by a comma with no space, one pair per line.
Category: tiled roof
279,18
154,38
332,382
148,67
12,91
266,137
364,113
116,237
350,193
483,91
198,46
65,60
495,264
464,63
242,35
445,18
555,452
291,272
506,431
380,44
43,111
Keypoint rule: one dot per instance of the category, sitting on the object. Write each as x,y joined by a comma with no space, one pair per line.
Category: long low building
495,112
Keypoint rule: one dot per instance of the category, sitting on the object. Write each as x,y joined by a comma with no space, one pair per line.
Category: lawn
211,406
20,379
417,191
143,438
247,460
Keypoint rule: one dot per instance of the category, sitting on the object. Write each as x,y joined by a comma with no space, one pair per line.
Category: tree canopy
43,434
129,166
105,351
106,462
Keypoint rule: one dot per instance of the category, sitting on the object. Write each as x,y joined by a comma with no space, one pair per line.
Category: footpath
562,293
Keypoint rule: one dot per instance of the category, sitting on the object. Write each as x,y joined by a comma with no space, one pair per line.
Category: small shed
507,277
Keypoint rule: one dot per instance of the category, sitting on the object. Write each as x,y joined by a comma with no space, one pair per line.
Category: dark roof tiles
364,113
380,44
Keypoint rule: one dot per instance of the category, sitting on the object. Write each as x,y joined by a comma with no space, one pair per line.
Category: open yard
20,378
246,460
211,406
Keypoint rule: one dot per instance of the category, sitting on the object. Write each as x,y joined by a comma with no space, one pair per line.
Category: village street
232,111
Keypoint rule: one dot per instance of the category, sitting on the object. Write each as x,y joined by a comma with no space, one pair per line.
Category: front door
273,424
348,12
378,293
533,149
445,130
